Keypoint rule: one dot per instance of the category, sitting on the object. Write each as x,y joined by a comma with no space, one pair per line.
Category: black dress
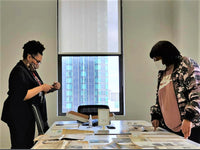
18,113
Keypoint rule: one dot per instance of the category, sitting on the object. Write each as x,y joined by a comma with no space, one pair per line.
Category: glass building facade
88,80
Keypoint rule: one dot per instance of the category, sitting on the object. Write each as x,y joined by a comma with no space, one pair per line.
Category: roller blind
89,27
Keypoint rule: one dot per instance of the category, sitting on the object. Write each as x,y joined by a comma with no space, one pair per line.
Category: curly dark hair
33,48
167,51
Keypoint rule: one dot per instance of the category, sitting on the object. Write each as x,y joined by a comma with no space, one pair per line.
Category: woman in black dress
26,88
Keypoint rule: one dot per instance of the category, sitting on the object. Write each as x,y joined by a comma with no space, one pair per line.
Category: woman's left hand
186,128
56,85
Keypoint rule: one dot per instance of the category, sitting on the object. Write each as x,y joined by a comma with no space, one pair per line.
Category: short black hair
33,48
167,51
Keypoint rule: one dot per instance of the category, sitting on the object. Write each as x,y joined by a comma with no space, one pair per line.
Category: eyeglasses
39,62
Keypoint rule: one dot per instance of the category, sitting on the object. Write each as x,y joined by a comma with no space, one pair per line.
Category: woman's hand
34,91
56,85
155,124
186,128
46,87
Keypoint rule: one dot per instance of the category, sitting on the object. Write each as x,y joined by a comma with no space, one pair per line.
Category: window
89,54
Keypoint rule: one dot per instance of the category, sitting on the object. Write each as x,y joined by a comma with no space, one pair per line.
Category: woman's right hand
46,87
34,91
155,124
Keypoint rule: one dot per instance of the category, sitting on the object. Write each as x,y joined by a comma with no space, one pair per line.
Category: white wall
186,27
0,73
144,23
24,20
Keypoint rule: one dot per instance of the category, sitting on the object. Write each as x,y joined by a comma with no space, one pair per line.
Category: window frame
121,67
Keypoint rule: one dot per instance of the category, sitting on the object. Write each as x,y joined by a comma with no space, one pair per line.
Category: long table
127,134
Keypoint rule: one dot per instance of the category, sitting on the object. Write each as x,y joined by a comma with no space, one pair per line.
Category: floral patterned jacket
186,81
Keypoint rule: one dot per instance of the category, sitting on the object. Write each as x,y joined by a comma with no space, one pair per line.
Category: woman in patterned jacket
177,107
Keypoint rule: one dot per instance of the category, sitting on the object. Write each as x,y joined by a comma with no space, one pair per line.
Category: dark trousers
21,138
194,136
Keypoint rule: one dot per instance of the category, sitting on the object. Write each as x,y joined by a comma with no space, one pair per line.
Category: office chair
91,109
38,119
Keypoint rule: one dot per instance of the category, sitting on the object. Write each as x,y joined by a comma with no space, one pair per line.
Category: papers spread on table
47,144
76,131
139,136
